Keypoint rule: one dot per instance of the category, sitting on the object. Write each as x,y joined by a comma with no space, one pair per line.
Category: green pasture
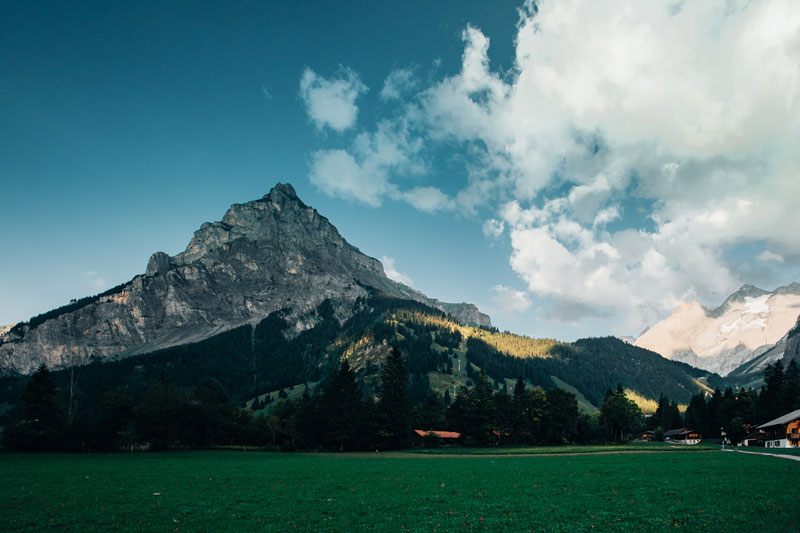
258,491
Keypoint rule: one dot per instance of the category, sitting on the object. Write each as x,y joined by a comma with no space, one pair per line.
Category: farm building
645,436
783,432
682,436
754,438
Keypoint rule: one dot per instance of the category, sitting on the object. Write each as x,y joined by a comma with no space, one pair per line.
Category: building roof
677,432
785,419
440,434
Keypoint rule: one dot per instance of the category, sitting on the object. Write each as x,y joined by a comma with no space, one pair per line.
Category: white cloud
392,273
362,172
493,228
605,216
507,300
695,112
331,102
680,124
428,199
266,93
338,173
399,82
767,256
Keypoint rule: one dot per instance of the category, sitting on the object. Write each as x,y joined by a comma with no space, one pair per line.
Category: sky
574,168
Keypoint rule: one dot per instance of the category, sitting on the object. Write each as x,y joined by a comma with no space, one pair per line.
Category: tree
483,409
341,411
621,416
561,418
429,414
160,414
528,411
697,414
42,418
791,387
393,408
115,429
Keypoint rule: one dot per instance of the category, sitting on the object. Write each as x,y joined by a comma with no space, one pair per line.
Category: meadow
637,489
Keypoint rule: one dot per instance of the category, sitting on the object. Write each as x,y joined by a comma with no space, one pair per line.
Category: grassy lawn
256,491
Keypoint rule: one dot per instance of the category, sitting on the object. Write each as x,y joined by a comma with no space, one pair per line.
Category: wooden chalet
645,436
783,432
754,438
683,436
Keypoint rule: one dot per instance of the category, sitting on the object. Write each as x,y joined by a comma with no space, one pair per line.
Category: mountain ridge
273,253
749,323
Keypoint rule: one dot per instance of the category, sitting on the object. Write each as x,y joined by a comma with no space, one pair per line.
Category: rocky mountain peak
745,291
271,254
748,323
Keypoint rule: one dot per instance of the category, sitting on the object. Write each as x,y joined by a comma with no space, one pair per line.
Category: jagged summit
748,323
274,253
745,291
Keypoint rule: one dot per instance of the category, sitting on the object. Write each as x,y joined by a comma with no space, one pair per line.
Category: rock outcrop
270,254
749,324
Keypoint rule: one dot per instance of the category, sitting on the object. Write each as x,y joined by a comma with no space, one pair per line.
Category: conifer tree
42,420
393,407
341,410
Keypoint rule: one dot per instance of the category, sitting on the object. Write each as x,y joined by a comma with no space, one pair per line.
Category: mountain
749,324
269,358
786,349
272,254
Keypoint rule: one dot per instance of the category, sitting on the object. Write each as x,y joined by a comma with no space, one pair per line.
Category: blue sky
574,171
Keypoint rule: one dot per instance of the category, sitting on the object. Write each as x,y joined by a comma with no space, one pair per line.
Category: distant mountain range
273,297
749,330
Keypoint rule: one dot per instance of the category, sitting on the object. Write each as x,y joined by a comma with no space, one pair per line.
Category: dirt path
790,457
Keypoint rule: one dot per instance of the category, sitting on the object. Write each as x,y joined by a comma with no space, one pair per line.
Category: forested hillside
440,355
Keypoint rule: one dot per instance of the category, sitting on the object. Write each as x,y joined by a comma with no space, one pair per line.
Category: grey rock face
158,264
269,254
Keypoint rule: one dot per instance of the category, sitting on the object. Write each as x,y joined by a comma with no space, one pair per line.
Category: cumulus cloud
392,273
428,199
767,256
507,300
331,102
398,83
692,111
363,172
493,228
680,126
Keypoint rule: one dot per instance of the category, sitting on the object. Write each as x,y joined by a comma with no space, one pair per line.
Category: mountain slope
267,255
786,349
748,324
440,353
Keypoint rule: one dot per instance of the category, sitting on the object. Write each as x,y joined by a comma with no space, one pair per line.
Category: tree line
339,416
342,414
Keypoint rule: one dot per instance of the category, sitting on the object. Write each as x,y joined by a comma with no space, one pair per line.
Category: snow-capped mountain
749,323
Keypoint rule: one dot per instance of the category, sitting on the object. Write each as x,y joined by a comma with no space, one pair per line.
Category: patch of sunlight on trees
703,386
508,343
648,405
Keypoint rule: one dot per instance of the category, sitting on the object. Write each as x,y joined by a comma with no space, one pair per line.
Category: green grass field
257,491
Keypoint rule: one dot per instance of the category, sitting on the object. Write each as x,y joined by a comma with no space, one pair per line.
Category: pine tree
341,410
393,407
791,387
620,415
561,417
42,421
